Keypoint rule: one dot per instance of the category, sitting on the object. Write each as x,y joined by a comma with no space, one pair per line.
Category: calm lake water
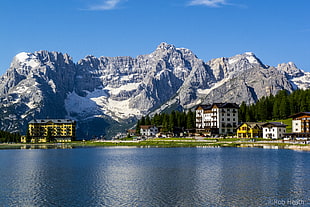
154,177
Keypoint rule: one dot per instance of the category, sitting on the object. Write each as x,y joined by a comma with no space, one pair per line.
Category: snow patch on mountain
216,85
249,56
79,106
127,87
27,59
302,82
121,89
121,110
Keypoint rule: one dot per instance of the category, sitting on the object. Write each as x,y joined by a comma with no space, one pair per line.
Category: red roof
146,126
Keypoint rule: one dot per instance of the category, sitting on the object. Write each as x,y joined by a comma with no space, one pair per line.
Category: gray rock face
120,89
35,85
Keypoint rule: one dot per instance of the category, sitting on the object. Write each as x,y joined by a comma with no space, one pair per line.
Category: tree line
9,137
280,106
170,122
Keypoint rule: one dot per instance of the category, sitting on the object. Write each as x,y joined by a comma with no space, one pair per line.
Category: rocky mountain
106,93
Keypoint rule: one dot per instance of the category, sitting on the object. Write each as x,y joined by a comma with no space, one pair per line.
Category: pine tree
242,112
142,121
138,127
284,108
172,121
147,120
190,120
165,126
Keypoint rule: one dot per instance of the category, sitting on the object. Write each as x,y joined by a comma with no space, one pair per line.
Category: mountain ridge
118,90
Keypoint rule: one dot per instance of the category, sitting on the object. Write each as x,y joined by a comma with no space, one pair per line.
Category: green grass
288,122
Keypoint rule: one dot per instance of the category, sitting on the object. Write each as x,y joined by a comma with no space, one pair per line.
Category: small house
148,130
250,130
274,130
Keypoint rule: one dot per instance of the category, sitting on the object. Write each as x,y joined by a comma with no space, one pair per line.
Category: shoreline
161,143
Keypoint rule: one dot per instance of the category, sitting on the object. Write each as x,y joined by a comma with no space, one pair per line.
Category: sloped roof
226,105
274,124
253,124
204,107
218,105
299,114
55,121
146,126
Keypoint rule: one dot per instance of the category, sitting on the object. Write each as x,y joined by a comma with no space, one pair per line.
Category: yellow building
46,130
250,130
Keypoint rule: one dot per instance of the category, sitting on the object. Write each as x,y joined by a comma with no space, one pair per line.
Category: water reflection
153,177
47,146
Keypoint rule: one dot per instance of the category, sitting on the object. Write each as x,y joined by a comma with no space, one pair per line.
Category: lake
154,177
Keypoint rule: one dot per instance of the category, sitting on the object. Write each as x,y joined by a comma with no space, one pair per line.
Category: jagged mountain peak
28,61
117,89
229,67
165,46
245,58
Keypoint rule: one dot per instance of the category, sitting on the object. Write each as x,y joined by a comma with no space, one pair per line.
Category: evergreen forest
280,106
170,122
9,137
273,107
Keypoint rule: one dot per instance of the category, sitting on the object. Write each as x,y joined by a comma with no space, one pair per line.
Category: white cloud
105,5
209,3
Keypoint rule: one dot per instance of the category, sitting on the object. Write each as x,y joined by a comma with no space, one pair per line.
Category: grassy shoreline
164,143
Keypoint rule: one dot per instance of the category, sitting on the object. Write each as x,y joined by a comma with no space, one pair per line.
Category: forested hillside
9,137
275,107
170,122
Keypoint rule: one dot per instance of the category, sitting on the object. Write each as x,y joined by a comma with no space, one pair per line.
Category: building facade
218,118
148,130
250,130
274,130
301,122
45,130
300,126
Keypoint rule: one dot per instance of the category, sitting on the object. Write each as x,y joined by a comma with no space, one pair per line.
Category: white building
274,130
148,130
218,118
301,122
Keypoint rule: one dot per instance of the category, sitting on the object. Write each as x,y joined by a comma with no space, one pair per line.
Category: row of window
280,130
228,119
229,114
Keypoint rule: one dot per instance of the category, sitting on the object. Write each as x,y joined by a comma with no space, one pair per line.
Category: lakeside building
44,130
300,126
148,130
301,122
218,118
250,130
274,130
132,132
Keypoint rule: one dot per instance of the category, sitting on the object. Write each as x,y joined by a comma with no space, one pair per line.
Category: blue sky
277,31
